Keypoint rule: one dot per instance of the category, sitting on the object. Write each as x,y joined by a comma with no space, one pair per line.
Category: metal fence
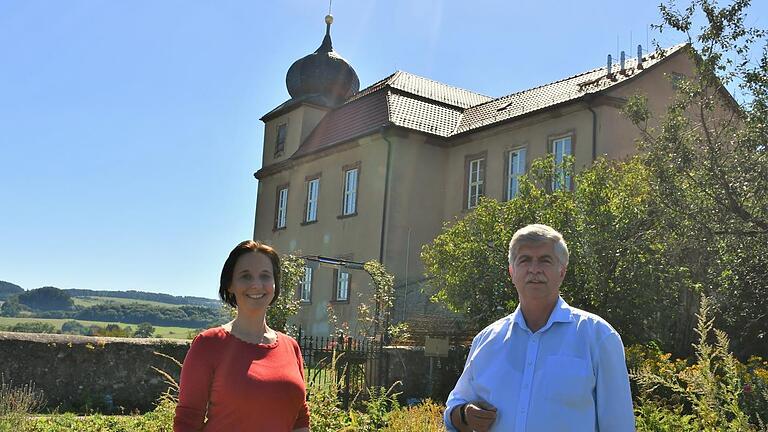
342,364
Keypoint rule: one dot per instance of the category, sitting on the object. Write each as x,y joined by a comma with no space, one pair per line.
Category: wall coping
83,340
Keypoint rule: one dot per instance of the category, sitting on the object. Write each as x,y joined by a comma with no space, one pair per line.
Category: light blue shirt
568,376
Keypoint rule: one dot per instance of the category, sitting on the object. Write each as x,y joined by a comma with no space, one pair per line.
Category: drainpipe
384,130
594,132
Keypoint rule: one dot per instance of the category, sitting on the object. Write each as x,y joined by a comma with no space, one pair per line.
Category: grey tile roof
573,87
425,105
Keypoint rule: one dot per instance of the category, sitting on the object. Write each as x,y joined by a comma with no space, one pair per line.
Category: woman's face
253,282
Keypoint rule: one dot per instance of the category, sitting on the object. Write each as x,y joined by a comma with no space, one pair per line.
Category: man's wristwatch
463,413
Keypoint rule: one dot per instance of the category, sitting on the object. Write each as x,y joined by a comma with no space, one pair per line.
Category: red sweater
241,386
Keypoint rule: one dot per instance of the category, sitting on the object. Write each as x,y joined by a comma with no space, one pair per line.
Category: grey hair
538,233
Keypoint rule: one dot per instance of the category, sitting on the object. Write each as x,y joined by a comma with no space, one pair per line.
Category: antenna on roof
330,3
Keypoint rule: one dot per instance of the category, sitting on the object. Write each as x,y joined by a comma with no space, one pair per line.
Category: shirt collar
561,313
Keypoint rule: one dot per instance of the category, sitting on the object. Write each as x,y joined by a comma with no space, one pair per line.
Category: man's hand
480,416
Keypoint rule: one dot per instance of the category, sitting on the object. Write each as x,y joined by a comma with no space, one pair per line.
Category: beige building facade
375,174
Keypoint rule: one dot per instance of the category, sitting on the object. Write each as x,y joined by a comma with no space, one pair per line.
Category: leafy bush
713,393
424,417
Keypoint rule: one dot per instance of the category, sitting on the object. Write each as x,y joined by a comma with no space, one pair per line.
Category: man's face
536,271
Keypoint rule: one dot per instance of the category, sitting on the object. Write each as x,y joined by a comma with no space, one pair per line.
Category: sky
130,131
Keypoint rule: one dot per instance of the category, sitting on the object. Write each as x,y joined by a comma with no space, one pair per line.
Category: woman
244,376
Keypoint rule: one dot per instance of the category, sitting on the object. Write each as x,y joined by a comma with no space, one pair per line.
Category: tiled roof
346,122
426,88
554,93
420,104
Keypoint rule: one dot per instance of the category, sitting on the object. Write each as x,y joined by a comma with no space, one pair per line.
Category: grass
96,300
160,331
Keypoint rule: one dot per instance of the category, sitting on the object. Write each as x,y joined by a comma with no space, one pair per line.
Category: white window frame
515,168
305,286
282,208
349,206
475,181
313,189
342,285
561,147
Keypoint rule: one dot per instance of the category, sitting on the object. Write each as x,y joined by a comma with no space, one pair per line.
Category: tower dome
323,73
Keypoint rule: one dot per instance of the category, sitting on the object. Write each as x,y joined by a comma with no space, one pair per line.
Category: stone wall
79,373
114,375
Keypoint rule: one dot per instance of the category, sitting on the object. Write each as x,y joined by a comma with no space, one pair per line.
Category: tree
618,267
286,305
46,298
708,159
74,327
33,327
144,330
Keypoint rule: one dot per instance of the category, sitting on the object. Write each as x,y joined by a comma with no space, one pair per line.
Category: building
374,174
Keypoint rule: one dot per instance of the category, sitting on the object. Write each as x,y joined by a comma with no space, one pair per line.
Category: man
547,366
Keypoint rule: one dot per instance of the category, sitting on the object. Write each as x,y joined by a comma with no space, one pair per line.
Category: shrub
707,395
424,417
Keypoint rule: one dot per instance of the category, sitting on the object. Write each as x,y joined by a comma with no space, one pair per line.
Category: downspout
594,132
383,130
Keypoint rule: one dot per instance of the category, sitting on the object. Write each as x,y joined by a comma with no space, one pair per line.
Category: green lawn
160,331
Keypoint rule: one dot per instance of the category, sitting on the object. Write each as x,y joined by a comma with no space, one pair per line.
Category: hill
8,289
142,295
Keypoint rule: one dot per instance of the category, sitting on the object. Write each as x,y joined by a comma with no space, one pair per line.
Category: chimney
622,62
609,65
639,56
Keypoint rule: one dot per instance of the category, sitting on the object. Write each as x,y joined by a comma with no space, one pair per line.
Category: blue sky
130,132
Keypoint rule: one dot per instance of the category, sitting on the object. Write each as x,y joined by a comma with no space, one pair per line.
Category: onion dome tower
323,76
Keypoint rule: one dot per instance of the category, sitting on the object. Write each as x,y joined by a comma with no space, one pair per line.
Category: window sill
276,229
346,216
339,301
309,222
305,302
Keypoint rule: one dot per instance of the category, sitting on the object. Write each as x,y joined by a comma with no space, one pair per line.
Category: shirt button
530,363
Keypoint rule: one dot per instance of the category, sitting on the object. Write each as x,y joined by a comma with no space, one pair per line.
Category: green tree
46,298
74,327
286,305
33,327
618,267
708,159
144,330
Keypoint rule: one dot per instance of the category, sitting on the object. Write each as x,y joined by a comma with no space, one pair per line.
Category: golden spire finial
329,17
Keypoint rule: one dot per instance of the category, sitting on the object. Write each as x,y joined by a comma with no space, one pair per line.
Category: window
313,188
282,207
561,148
515,168
342,285
475,181
280,140
305,286
349,205
678,80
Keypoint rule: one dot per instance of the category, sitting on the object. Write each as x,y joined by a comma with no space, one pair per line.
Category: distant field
160,331
95,300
